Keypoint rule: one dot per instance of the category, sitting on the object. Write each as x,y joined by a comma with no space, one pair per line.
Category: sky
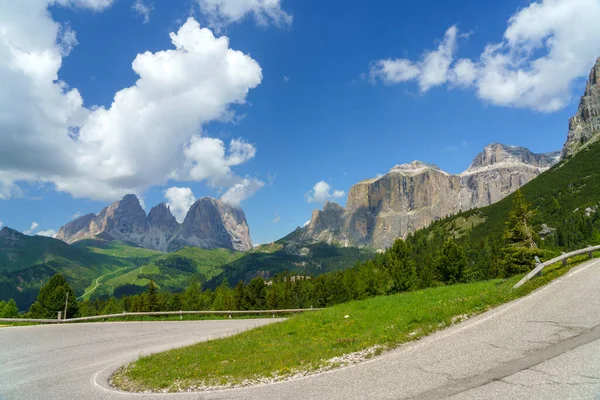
274,106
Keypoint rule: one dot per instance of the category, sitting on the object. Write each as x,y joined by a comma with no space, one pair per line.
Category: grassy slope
575,183
29,262
208,262
309,341
282,256
96,267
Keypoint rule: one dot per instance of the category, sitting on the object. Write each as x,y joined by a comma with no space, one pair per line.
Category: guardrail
158,313
589,250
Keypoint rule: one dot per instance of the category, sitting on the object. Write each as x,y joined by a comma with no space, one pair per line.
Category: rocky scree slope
411,196
209,224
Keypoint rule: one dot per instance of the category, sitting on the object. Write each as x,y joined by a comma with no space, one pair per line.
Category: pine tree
152,303
51,299
401,266
452,262
520,248
9,309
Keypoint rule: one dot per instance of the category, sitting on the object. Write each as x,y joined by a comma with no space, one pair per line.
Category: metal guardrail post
562,258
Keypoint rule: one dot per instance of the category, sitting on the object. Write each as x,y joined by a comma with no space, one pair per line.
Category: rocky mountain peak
411,196
413,168
594,79
160,216
208,224
7,232
584,126
496,154
332,206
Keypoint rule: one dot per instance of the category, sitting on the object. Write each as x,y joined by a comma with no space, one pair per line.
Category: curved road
544,346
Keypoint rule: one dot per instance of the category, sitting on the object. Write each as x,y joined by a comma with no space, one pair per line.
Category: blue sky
335,91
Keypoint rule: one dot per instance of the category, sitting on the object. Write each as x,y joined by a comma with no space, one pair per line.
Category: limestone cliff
413,195
584,127
209,224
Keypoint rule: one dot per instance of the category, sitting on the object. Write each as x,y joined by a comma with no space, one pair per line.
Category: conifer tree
152,297
401,266
519,245
452,262
9,309
52,298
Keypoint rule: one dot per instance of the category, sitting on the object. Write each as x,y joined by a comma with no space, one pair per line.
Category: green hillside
96,268
172,272
284,256
565,200
26,262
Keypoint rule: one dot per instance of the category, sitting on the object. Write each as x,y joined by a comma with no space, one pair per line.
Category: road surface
544,346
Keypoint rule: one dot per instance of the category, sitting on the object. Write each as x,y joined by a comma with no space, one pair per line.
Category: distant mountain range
117,247
209,224
411,196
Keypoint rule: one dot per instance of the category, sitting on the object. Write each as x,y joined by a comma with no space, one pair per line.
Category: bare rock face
208,224
584,127
212,224
76,230
411,196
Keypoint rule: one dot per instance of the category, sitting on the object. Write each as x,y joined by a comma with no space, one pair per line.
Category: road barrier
158,313
562,258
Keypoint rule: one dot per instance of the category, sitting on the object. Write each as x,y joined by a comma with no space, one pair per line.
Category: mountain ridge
209,224
411,196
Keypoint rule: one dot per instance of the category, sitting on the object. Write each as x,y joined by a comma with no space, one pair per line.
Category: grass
309,342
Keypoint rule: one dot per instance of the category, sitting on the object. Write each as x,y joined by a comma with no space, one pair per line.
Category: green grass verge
309,342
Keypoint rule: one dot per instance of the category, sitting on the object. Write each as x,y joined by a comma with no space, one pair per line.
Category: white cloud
277,218
431,71
48,233
67,40
223,12
321,192
142,9
76,215
546,47
286,79
96,5
150,133
1,224
206,159
33,227
241,191
179,200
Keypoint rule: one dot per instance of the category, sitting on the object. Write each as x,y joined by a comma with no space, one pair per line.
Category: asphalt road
544,346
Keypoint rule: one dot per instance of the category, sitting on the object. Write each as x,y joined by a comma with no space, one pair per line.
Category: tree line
427,258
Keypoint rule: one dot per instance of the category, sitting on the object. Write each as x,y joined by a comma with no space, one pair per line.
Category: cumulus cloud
322,192
179,200
241,191
534,66
152,131
48,233
223,12
431,71
33,227
142,9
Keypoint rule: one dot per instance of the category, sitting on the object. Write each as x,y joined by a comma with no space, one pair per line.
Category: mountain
584,127
26,262
209,224
411,196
